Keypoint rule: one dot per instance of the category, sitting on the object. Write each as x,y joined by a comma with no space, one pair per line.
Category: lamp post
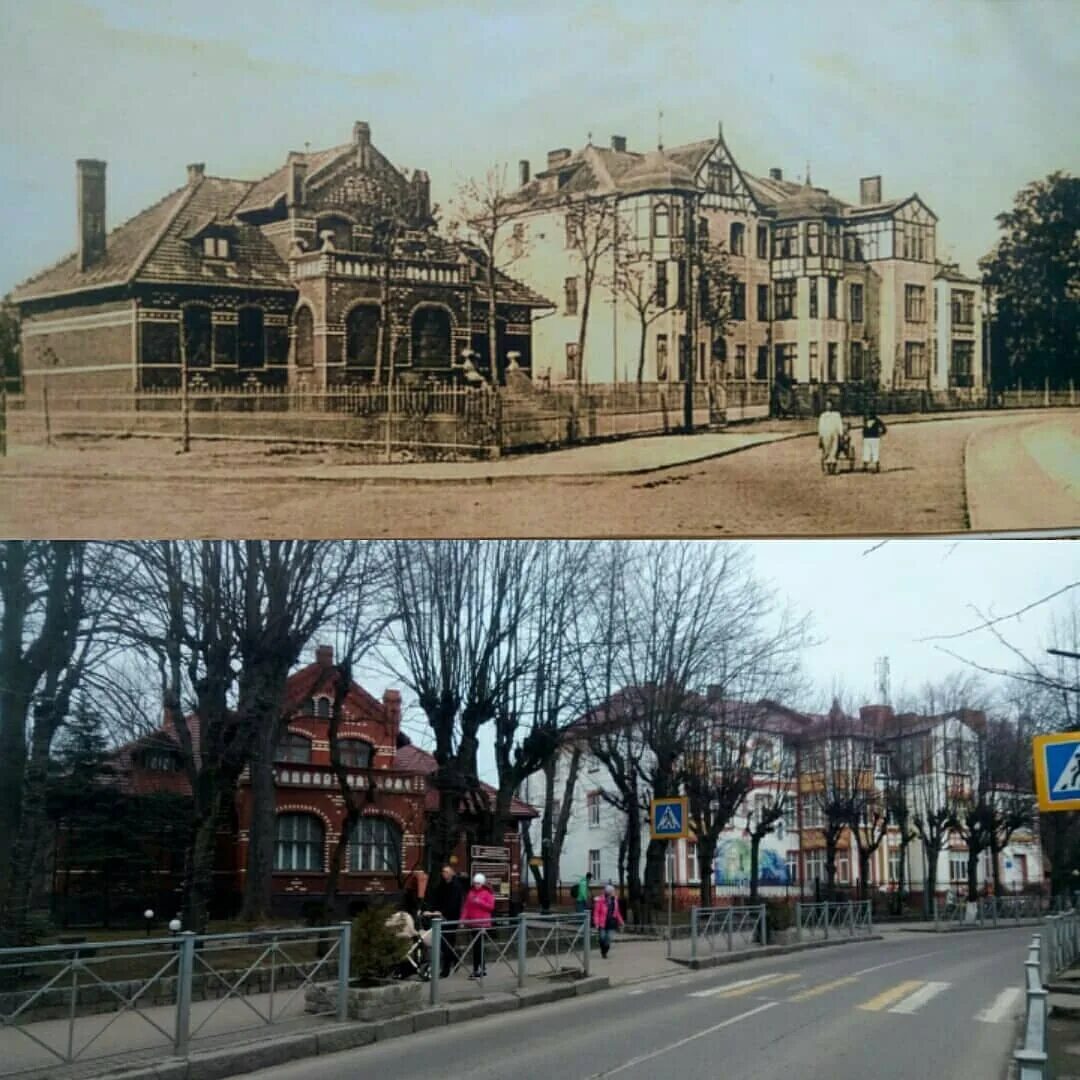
148,915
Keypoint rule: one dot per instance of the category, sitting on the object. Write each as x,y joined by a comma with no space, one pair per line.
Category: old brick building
387,847
288,280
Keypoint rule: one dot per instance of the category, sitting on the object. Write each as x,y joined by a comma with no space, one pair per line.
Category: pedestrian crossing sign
668,818
1057,770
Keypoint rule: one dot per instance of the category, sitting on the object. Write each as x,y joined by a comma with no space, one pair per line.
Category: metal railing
830,919
522,946
716,929
1056,948
67,1004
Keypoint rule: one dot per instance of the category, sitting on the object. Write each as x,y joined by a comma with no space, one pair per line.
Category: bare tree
717,285
637,281
458,606
592,226
484,209
554,819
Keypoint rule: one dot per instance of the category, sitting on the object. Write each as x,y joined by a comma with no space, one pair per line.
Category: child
872,431
606,917
476,914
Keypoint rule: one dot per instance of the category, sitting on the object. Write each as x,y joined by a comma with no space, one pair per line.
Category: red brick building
388,846
274,282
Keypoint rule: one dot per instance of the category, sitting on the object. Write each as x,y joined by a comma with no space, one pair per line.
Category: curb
724,959
333,1039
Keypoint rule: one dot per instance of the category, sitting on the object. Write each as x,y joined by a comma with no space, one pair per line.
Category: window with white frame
792,862
815,865
895,858
790,820
843,869
592,803
299,842
881,765
958,869
375,846
812,815
692,874
594,864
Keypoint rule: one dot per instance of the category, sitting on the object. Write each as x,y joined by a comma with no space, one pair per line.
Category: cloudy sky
869,600
964,102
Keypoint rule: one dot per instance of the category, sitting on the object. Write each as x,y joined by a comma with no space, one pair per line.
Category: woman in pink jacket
476,912
606,917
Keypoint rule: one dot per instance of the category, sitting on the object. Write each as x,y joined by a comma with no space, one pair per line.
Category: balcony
365,266
308,776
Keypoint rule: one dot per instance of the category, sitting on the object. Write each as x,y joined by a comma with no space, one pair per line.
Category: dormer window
216,247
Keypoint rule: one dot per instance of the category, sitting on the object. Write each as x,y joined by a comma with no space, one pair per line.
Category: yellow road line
887,997
822,988
762,984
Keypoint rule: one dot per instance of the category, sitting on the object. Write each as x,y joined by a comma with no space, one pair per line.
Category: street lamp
174,926
148,915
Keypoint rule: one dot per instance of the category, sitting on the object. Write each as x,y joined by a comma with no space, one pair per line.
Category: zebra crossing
906,997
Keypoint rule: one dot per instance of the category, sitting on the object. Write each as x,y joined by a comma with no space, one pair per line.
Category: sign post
1057,770
668,820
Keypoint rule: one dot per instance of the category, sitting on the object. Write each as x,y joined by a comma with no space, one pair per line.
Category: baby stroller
417,961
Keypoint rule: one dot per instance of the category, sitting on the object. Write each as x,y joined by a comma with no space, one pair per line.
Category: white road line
1003,1008
893,963
732,985
682,1042
914,1002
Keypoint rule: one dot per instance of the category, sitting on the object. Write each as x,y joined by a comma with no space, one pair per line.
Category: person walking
607,918
830,428
446,896
872,430
581,893
476,914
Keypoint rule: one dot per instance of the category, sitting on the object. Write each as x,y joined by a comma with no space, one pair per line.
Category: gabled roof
510,291
267,191
126,247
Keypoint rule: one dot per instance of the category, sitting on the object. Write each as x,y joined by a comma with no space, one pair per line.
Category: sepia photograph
490,270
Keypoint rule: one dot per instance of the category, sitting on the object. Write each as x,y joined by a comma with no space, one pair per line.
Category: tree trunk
755,854
29,888
706,856
492,325
218,795
633,862
973,873
931,855
581,333
995,867
641,355
655,864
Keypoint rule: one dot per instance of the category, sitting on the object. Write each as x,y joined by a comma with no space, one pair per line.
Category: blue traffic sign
668,818
1057,770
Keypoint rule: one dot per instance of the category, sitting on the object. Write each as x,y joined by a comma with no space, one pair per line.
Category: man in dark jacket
446,895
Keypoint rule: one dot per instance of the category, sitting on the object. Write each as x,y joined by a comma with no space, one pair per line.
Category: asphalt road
913,1005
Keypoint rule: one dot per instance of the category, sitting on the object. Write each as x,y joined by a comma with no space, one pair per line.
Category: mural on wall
732,866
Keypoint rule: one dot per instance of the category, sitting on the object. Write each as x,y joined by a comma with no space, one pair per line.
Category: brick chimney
421,186
324,655
869,190
294,195
195,172
557,157
876,716
361,136
90,208
618,143
391,700
523,172
776,174
974,718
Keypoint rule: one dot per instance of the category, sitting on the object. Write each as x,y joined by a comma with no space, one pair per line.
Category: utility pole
690,243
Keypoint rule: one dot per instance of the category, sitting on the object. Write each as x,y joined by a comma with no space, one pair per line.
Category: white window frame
594,863
592,805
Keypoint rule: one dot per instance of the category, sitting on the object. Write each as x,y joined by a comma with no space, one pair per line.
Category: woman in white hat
476,913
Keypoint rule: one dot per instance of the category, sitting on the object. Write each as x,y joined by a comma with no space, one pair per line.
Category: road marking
650,988
914,1002
682,1042
745,986
822,988
893,963
887,997
1003,1007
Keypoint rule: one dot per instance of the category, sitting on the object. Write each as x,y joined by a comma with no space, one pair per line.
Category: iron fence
523,946
830,919
721,929
66,1004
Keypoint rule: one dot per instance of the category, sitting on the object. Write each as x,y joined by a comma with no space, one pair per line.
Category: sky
869,599
963,102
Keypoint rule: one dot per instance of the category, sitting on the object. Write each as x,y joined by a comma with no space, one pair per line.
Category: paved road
775,489
912,1005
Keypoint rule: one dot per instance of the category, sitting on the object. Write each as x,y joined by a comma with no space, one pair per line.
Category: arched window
355,753
299,843
431,338
305,338
362,336
294,748
738,238
251,339
198,339
375,846
661,221
322,707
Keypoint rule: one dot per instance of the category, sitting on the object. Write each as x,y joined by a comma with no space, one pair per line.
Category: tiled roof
125,248
769,192
176,257
412,759
509,289
269,189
